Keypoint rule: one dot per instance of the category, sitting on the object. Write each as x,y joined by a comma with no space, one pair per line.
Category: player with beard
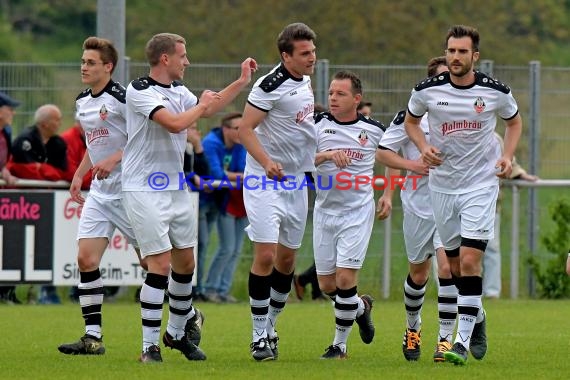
462,107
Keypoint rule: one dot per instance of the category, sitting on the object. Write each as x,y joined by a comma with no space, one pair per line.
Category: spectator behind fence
39,153
492,257
7,106
226,157
195,162
365,108
74,138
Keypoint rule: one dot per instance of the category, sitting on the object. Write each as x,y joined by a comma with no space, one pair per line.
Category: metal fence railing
541,92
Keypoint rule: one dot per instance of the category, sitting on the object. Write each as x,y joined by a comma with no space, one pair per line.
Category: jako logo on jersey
96,134
307,110
103,112
479,105
442,103
454,126
293,93
330,131
363,137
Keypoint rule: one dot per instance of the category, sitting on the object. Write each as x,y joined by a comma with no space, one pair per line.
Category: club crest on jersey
306,111
103,113
479,105
363,137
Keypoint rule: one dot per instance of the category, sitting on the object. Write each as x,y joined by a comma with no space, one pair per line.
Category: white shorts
275,216
162,219
420,237
470,215
341,241
100,217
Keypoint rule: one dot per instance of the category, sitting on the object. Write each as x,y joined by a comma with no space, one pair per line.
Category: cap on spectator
5,100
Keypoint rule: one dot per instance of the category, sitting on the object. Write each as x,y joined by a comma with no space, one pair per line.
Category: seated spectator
38,152
7,106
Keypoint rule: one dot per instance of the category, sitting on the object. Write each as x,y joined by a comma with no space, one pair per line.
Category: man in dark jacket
7,106
38,152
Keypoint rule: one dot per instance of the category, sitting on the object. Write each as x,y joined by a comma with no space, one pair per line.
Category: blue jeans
207,215
231,234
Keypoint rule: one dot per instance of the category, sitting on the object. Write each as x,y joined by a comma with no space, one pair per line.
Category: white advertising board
119,266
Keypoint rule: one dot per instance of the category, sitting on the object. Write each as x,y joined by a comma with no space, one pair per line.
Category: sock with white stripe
152,297
345,313
280,289
413,301
447,308
180,303
90,290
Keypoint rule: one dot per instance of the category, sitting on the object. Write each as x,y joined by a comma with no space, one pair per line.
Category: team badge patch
363,137
103,112
479,105
26,146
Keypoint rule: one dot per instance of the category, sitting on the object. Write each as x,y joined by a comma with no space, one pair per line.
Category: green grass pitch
528,339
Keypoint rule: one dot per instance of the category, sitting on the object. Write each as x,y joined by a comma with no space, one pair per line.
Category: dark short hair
106,50
319,108
294,32
356,84
458,31
433,64
363,104
226,120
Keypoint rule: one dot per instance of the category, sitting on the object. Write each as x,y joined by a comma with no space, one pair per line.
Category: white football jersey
288,132
102,117
337,192
415,198
151,150
462,121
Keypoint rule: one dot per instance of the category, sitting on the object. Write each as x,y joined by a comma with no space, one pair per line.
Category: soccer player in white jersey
420,235
343,216
159,110
462,107
100,110
278,132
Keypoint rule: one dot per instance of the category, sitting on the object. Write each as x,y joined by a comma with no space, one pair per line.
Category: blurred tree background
349,31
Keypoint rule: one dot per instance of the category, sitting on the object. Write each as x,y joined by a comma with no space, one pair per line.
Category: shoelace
412,340
443,347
